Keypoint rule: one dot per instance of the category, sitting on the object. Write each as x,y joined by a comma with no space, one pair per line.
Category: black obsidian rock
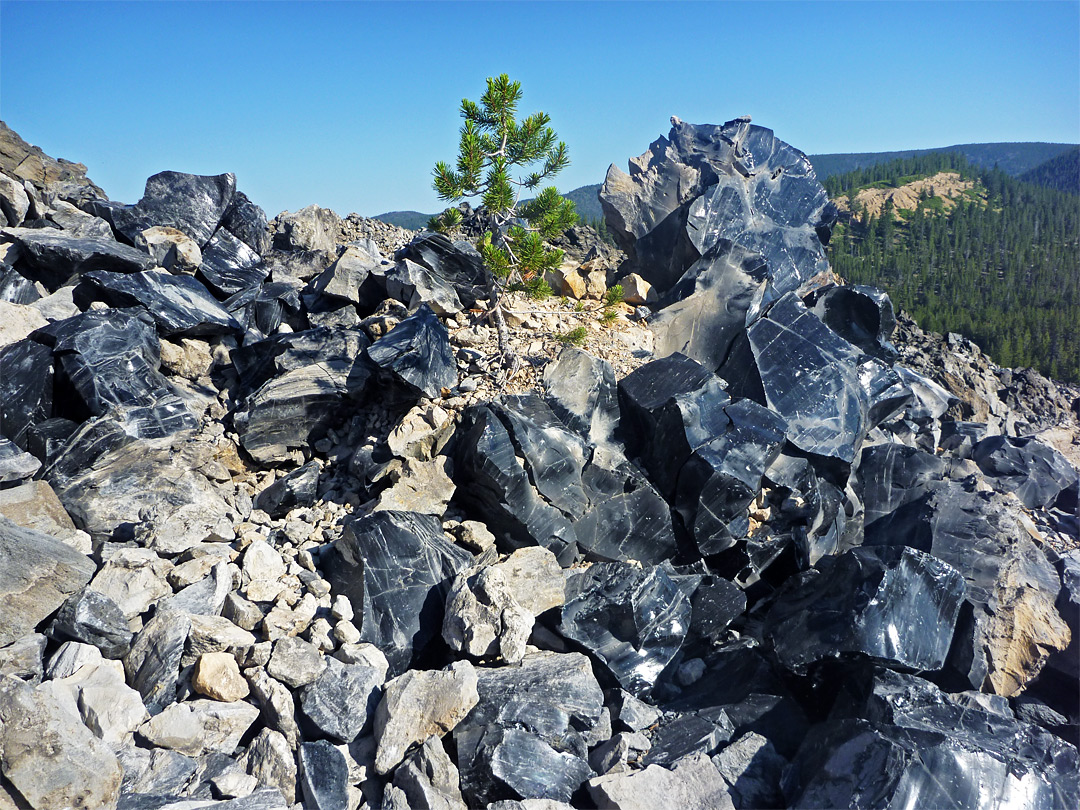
898,606
811,377
457,264
892,475
1037,474
687,734
723,476
179,305
581,391
55,257
16,288
324,776
229,266
108,357
26,388
634,620
192,203
298,488
261,310
417,353
341,701
93,618
861,315
524,738
670,407
399,566
247,221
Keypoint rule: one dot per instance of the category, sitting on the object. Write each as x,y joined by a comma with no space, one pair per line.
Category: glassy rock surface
55,257
897,606
247,221
417,353
455,263
1035,473
398,567
179,305
633,620
229,266
93,618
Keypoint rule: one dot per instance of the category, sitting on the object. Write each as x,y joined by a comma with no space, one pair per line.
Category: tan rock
17,321
566,280
171,248
636,290
217,676
596,284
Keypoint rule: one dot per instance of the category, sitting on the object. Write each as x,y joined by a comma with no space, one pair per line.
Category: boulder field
276,531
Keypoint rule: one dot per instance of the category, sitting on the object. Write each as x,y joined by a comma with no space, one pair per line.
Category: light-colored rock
17,321
79,223
34,505
23,658
217,676
200,726
171,248
535,579
261,561
190,359
475,536
134,578
595,284
418,486
211,634
270,760
276,703
284,621
430,779
57,306
367,654
234,784
419,704
637,291
49,756
421,433
295,662
14,202
694,784
107,705
566,280
37,573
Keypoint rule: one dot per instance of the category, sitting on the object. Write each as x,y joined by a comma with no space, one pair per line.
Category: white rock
200,726
17,321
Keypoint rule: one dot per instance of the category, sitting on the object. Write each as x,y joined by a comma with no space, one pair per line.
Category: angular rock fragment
179,305
420,704
634,620
93,618
324,776
311,228
153,663
37,574
413,284
277,706
861,315
341,701
229,266
191,203
170,248
582,393
685,735
898,607
56,257
693,783
417,353
554,696
26,388
198,726
358,276
270,760
295,662
23,658
456,263
531,768
752,769
247,221
217,676
398,567
1037,474
48,755
429,778
15,465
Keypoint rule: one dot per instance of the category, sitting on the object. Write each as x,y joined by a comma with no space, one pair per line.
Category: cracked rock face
273,534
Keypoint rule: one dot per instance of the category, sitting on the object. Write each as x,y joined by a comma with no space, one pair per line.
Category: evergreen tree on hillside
1002,266
493,145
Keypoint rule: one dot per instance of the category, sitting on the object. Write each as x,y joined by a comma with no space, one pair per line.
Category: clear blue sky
349,105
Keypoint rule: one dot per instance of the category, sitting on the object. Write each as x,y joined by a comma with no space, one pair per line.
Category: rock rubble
274,533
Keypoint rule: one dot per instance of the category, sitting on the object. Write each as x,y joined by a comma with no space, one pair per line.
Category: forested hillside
1061,172
999,264
1012,158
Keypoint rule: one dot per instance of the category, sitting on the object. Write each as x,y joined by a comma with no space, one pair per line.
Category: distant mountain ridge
1012,158
1061,173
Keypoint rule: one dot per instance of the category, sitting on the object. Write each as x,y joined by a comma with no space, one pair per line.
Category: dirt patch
946,185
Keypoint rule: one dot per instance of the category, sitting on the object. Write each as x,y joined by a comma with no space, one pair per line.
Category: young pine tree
494,147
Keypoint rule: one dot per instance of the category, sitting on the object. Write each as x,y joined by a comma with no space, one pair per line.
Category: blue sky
349,105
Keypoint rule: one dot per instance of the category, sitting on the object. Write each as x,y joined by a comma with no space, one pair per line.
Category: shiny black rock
298,488
811,377
861,315
1037,474
55,257
723,476
687,734
523,739
898,606
179,305
229,266
670,407
192,203
634,620
892,475
324,776
581,391
401,565
247,221
26,388
261,310
92,618
417,353
457,263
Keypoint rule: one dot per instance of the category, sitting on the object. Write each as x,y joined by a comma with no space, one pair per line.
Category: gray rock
205,597
324,776
413,284
311,228
429,779
276,704
37,574
582,392
636,714
133,579
345,278
752,768
13,201
420,704
91,617
270,760
15,465
295,662
213,634
35,506
694,784
158,772
108,707
342,699
23,658
199,726
48,755
153,664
